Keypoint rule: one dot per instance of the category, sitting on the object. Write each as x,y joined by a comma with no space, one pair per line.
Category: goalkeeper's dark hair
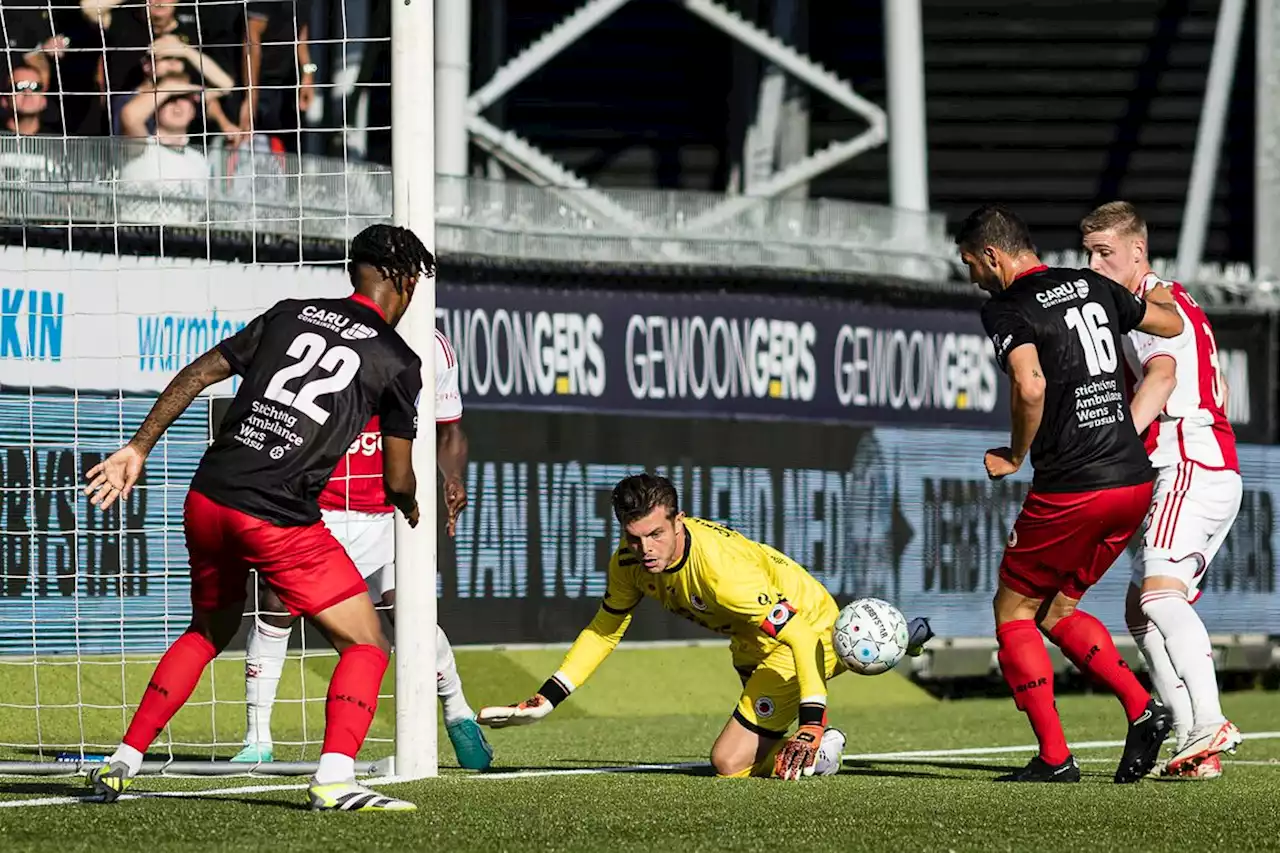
396,253
640,494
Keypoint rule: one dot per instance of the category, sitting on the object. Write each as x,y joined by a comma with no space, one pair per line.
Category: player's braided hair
395,252
994,225
638,495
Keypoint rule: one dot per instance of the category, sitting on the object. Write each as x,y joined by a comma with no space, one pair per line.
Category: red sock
1087,644
1024,662
353,697
170,686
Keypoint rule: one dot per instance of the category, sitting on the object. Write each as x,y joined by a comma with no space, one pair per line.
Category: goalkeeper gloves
797,756
919,633
526,713
552,692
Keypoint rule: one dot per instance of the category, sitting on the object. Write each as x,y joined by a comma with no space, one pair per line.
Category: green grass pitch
647,706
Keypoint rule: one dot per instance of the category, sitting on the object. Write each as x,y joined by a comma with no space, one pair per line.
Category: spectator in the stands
53,37
167,173
210,28
23,102
278,72
128,33
170,56
30,37
216,28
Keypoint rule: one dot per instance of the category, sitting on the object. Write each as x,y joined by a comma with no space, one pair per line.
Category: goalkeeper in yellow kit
777,615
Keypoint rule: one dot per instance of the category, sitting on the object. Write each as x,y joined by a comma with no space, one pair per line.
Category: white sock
263,664
449,683
130,756
335,767
1173,693
1187,642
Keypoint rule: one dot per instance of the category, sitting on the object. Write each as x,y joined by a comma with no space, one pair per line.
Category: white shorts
1192,511
370,541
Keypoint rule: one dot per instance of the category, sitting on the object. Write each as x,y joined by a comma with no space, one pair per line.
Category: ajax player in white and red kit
1179,407
354,506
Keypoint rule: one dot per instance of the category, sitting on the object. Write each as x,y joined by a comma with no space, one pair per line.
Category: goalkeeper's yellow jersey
724,582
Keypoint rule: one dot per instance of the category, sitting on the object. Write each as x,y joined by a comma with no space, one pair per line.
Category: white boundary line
868,756
208,792
587,771
1232,762
904,757
1001,750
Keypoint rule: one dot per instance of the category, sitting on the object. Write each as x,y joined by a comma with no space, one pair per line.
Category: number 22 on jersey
311,350
1089,322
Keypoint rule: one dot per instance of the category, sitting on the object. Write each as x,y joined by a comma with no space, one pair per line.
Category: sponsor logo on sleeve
777,618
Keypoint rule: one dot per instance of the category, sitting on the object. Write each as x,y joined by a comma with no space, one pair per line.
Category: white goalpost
121,260
413,167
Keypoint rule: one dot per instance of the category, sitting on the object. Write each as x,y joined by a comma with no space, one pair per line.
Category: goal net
170,170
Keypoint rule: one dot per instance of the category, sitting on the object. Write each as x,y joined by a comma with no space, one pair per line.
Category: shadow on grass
910,770
602,767
296,805
938,770
69,787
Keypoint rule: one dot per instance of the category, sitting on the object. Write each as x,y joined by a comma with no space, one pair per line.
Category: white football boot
1203,743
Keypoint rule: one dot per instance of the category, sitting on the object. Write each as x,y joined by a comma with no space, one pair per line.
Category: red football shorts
1065,542
305,566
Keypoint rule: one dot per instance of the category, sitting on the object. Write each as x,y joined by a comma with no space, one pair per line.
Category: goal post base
381,768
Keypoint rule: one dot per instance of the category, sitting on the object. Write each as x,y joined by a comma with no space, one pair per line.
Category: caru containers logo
31,324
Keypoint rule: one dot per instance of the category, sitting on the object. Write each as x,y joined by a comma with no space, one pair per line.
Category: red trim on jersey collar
1032,271
368,303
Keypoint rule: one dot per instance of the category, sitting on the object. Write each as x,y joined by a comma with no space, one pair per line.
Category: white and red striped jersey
1193,426
356,484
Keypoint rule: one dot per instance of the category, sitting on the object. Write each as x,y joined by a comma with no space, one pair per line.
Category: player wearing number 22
314,371
777,615
1057,334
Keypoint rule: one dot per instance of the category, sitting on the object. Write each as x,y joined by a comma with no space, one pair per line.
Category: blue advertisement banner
75,579
908,515
904,514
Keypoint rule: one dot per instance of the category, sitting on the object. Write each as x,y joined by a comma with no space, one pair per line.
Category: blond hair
1119,215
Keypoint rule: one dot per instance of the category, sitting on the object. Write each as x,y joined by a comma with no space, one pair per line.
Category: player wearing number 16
1057,334
314,372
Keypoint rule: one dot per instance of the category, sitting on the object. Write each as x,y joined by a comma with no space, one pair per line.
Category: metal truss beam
541,168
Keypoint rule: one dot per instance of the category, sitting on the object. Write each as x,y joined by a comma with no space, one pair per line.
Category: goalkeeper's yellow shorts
770,697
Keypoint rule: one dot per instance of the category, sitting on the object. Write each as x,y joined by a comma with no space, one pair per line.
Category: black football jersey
1076,319
314,372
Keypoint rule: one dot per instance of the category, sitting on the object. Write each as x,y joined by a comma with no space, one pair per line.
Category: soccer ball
870,636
